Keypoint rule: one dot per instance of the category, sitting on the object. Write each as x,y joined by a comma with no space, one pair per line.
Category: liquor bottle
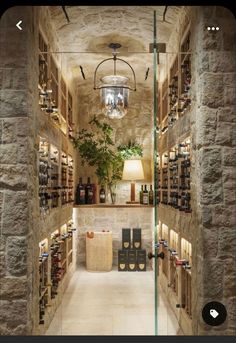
145,195
88,192
141,195
80,193
150,196
102,195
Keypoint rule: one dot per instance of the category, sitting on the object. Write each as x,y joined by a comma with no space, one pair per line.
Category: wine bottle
145,195
150,196
80,193
88,192
141,195
102,195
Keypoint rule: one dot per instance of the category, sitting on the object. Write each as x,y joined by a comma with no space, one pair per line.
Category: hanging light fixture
114,89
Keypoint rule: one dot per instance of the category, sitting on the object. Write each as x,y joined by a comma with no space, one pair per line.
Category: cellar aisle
113,303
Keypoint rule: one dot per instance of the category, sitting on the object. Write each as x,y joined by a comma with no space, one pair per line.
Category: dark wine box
137,241
132,260
141,260
126,238
122,260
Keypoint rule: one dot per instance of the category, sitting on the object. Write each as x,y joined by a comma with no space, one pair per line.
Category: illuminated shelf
113,206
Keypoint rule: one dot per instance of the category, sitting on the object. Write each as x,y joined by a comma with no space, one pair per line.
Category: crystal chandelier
114,89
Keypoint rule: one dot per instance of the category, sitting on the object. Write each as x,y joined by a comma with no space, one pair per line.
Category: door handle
151,255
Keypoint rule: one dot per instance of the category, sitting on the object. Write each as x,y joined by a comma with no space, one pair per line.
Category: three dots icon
213,28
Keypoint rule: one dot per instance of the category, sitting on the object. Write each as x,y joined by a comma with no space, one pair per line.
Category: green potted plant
97,148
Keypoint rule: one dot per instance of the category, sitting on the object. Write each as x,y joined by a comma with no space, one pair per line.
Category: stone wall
113,219
211,126
214,125
22,226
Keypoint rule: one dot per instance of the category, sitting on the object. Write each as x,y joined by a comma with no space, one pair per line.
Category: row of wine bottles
146,196
85,193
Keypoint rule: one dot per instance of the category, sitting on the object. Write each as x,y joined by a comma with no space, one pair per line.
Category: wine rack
163,243
164,179
55,187
184,187
55,263
174,238
70,230
70,116
70,180
173,93
186,281
173,177
64,175
185,90
177,86
43,175
164,111
43,279
54,98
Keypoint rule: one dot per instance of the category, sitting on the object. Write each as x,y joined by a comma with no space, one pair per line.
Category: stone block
16,256
13,176
14,313
8,153
227,114
210,159
230,192
206,126
213,285
206,216
13,288
15,217
8,131
13,103
229,157
210,242
211,90
222,61
211,193
226,243
223,133
2,264
231,310
230,278
224,216
230,95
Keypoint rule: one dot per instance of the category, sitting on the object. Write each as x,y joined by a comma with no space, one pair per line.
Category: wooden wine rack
56,184
44,292
176,87
55,99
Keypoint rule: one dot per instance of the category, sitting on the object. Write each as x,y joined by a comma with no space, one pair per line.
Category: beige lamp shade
133,170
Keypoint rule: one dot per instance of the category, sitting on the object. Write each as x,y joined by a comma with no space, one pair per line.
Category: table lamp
133,171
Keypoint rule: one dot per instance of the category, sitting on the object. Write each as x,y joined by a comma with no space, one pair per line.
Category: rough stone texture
13,287
211,226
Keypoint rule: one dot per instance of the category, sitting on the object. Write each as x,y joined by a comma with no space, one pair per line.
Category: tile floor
113,303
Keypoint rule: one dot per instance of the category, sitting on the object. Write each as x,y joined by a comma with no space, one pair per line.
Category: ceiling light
114,89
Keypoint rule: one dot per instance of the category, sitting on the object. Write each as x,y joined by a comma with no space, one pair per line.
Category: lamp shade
133,170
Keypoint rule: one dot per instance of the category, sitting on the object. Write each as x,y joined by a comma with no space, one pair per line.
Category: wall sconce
114,89
133,170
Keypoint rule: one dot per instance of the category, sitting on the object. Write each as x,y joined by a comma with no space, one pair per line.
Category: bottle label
145,199
82,193
102,196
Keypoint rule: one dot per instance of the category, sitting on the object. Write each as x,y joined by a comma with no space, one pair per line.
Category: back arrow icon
18,25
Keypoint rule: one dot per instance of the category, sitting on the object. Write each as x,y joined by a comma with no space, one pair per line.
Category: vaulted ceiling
91,29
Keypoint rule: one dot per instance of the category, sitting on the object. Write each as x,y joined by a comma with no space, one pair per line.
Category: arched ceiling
92,28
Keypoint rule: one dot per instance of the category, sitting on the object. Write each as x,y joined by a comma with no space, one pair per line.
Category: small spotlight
217,28
213,28
208,28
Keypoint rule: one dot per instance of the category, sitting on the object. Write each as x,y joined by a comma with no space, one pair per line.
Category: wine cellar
117,177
